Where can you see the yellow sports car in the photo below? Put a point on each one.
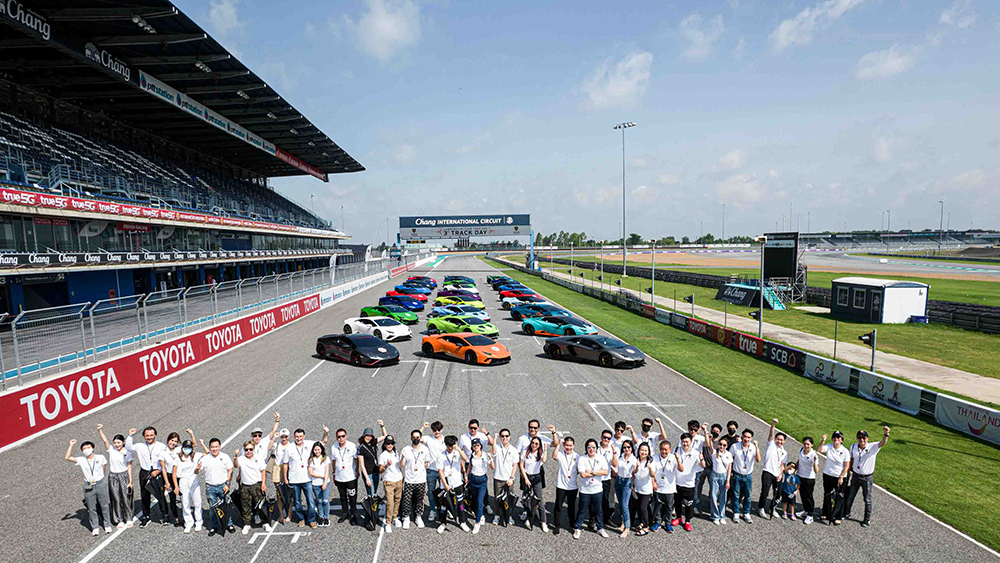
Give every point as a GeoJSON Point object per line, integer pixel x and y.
{"type": "Point", "coordinates": [459, 300]}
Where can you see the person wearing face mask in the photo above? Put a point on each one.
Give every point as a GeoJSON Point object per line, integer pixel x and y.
{"type": "Point", "coordinates": [665, 465]}
{"type": "Point", "coordinates": [773, 473]}
{"type": "Point", "coordinates": [646, 434]}
{"type": "Point", "coordinates": [218, 468]}
{"type": "Point", "coordinates": [807, 468]}
{"type": "Point", "coordinates": [296, 473]}
{"type": "Point", "coordinates": [368, 455]}
{"type": "Point", "coordinates": [414, 460]}
{"type": "Point", "coordinates": [789, 488]}
{"type": "Point", "coordinates": [590, 468]}
{"type": "Point", "coordinates": [151, 467]}
{"type": "Point", "coordinates": [623, 469]}
{"type": "Point", "coordinates": [689, 461]}
{"type": "Point", "coordinates": [505, 460]}
{"type": "Point", "coordinates": [185, 479]}
{"type": "Point", "coordinates": [344, 454]}
{"type": "Point", "coordinates": [838, 464]}
{"type": "Point", "coordinates": [608, 448]}
{"type": "Point", "coordinates": [566, 480]}
{"type": "Point", "coordinates": [435, 446]}
{"type": "Point", "coordinates": [95, 484]}
{"type": "Point", "coordinates": [119, 479]}
{"type": "Point", "coordinates": [862, 471]}
{"type": "Point", "coordinates": [392, 481]}
{"type": "Point", "coordinates": [732, 432]}
{"type": "Point", "coordinates": [719, 480]}
{"type": "Point", "coordinates": [451, 464]}
{"type": "Point", "coordinates": [745, 454]}
{"type": "Point", "coordinates": [253, 484]}
{"type": "Point", "coordinates": [477, 476]}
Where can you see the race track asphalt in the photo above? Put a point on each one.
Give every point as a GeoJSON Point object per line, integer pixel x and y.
{"type": "Point", "coordinates": [43, 519]}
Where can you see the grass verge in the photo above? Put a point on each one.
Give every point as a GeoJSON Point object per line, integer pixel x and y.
{"type": "Point", "coordinates": [914, 465]}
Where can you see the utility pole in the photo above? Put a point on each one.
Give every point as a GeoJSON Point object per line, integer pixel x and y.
{"type": "Point", "coordinates": [723, 222]}
{"type": "Point", "coordinates": [941, 226]}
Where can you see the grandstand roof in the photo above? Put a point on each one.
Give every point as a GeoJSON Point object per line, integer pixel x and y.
{"type": "Point", "coordinates": [96, 55]}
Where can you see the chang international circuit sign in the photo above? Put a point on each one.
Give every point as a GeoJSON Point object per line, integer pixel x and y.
{"type": "Point", "coordinates": [463, 226]}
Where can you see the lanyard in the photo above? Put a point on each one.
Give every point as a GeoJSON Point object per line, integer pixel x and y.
{"type": "Point", "coordinates": [92, 467]}
{"type": "Point", "coordinates": [302, 454]}
{"type": "Point", "coordinates": [341, 454]}
{"type": "Point", "coordinates": [568, 468]}
{"type": "Point", "coordinates": [746, 456]}
{"type": "Point", "coordinates": [504, 456]}
{"type": "Point", "coordinates": [664, 465]}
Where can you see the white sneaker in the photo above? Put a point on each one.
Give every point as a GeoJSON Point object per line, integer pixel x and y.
{"type": "Point", "coordinates": [465, 527]}
{"type": "Point", "coordinates": [510, 520]}
{"type": "Point", "coordinates": [808, 520]}
{"type": "Point", "coordinates": [523, 516]}
{"type": "Point", "coordinates": [246, 530]}
{"type": "Point", "coordinates": [406, 523]}
{"type": "Point", "coordinates": [482, 521]}
{"type": "Point", "coordinates": [187, 529]}
{"type": "Point", "coordinates": [268, 527]}
{"type": "Point", "coordinates": [387, 528]}
{"type": "Point", "coordinates": [602, 532]}
{"type": "Point", "coordinates": [475, 529]}
{"type": "Point", "coordinates": [120, 526]}
{"type": "Point", "coordinates": [432, 515]}
{"type": "Point", "coordinates": [496, 520]}
{"type": "Point", "coordinates": [747, 518]}
{"type": "Point", "coordinates": [723, 521]}
{"type": "Point", "coordinates": [108, 530]}
{"type": "Point", "coordinates": [197, 527]}
{"type": "Point", "coordinates": [716, 522]}
{"type": "Point", "coordinates": [420, 522]}
{"type": "Point", "coordinates": [736, 518]}
{"type": "Point", "coordinates": [576, 534]}
{"type": "Point", "coordinates": [397, 523]}
{"type": "Point", "coordinates": [762, 513]}
{"type": "Point", "coordinates": [95, 532]}
{"type": "Point", "coordinates": [528, 524]}
{"type": "Point", "coordinates": [545, 527]}
{"type": "Point", "coordinates": [440, 528]}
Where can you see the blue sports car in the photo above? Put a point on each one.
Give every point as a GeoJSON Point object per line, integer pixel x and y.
{"type": "Point", "coordinates": [408, 303]}
{"type": "Point", "coordinates": [451, 310]}
{"type": "Point", "coordinates": [530, 310]}
{"type": "Point", "coordinates": [556, 326]}
{"type": "Point", "coordinates": [407, 289]}
{"type": "Point", "coordinates": [510, 287]}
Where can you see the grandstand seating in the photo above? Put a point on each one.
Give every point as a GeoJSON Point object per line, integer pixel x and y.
{"type": "Point", "coordinates": [58, 160]}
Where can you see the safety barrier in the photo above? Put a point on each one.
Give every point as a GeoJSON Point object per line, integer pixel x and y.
{"type": "Point", "coordinates": [966, 417]}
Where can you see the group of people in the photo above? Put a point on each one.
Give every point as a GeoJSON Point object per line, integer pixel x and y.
{"type": "Point", "coordinates": [627, 481]}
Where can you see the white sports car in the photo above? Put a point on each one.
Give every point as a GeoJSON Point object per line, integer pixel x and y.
{"type": "Point", "coordinates": [511, 302]}
{"type": "Point", "coordinates": [385, 328]}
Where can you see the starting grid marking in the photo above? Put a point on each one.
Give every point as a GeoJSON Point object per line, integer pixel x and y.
{"type": "Point", "coordinates": [267, 536]}
{"type": "Point", "coordinates": [633, 404]}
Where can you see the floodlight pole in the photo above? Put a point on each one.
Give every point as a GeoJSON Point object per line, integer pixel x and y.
{"type": "Point", "coordinates": [760, 313]}
{"type": "Point", "coordinates": [602, 267]}
{"type": "Point", "coordinates": [652, 289]}
{"type": "Point", "coordinates": [623, 127]}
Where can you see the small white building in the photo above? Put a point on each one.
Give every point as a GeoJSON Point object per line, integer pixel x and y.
{"type": "Point", "coordinates": [877, 300]}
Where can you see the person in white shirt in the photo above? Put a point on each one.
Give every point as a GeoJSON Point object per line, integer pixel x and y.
{"type": "Point", "coordinates": [644, 485]}
{"type": "Point", "coordinates": [392, 481]}
{"type": "Point", "coordinates": [344, 454]}
{"type": "Point", "coordinates": [369, 474]}
{"type": "Point", "coordinates": [665, 473]}
{"type": "Point", "coordinates": [609, 448]}
{"type": "Point", "coordinates": [567, 484]}
{"type": "Point", "coordinates": [169, 456]}
{"type": "Point", "coordinates": [745, 454]}
{"type": "Point", "coordinates": [590, 468]}
{"type": "Point", "coordinates": [719, 480]}
{"type": "Point", "coordinates": [451, 466]}
{"type": "Point", "coordinates": [253, 471]}
{"type": "Point", "coordinates": [261, 446]}
{"type": "Point", "coordinates": [465, 442]}
{"type": "Point", "coordinates": [218, 469]}
{"type": "Point", "coordinates": [862, 471]}
{"type": "Point", "coordinates": [772, 473]}
{"type": "Point", "coordinates": [838, 464]}
{"type": "Point", "coordinates": [296, 472]}
{"type": "Point", "coordinates": [435, 446]}
{"type": "Point", "coordinates": [477, 472]}
{"type": "Point", "coordinates": [808, 468]}
{"type": "Point", "coordinates": [521, 445]}
{"type": "Point", "coordinates": [186, 483]}
{"type": "Point", "coordinates": [95, 484]}
{"type": "Point", "coordinates": [690, 459]}
{"type": "Point", "coordinates": [319, 480]}
{"type": "Point", "coordinates": [530, 465]}
{"type": "Point", "coordinates": [283, 492]}
{"type": "Point", "coordinates": [150, 467]}
{"type": "Point", "coordinates": [646, 435]}
{"type": "Point", "coordinates": [119, 479]}
{"type": "Point", "coordinates": [623, 468]}
{"type": "Point", "coordinates": [413, 460]}
{"type": "Point", "coordinates": [505, 461]}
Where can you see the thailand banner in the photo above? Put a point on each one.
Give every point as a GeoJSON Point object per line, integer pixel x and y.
{"type": "Point", "coordinates": [969, 418]}
{"type": "Point", "coordinates": [888, 391]}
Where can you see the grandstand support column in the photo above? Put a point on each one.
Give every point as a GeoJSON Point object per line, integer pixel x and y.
{"type": "Point", "coordinates": [238, 276]}
{"type": "Point", "coordinates": [201, 274]}
{"type": "Point", "coordinates": [531, 254]}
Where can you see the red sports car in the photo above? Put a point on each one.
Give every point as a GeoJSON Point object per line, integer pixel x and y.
{"type": "Point", "coordinates": [517, 293]}
{"type": "Point", "coordinates": [418, 296]}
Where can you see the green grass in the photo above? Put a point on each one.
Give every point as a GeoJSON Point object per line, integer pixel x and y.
{"type": "Point", "coordinates": [975, 352]}
{"type": "Point", "coordinates": [956, 491]}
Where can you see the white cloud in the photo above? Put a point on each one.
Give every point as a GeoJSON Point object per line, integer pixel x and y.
{"type": "Point", "coordinates": [646, 194]}
{"type": "Point", "coordinates": [581, 197]}
{"type": "Point", "coordinates": [223, 16]}
{"type": "Point", "coordinates": [883, 150]}
{"type": "Point", "coordinates": [741, 190]}
{"type": "Point", "coordinates": [971, 179]}
{"type": "Point", "coordinates": [606, 196]}
{"type": "Point", "coordinates": [799, 30]}
{"type": "Point", "coordinates": [454, 205]}
{"type": "Point", "coordinates": [404, 154]}
{"type": "Point", "coordinates": [734, 4]}
{"type": "Point", "coordinates": [669, 179]}
{"type": "Point", "coordinates": [622, 86]}
{"type": "Point", "coordinates": [477, 143]}
{"type": "Point", "coordinates": [733, 160]}
{"type": "Point", "coordinates": [740, 50]}
{"type": "Point", "coordinates": [772, 173]}
{"type": "Point", "coordinates": [638, 162]}
{"type": "Point", "coordinates": [387, 28]}
{"type": "Point", "coordinates": [959, 14]}
{"type": "Point", "coordinates": [700, 39]}
{"type": "Point", "coordinates": [882, 64]}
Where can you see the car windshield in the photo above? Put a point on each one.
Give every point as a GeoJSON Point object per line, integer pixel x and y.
{"type": "Point", "coordinates": [395, 309]}
{"type": "Point", "coordinates": [386, 322]}
{"type": "Point", "coordinates": [609, 342]}
{"type": "Point", "coordinates": [465, 298]}
{"type": "Point", "coordinates": [474, 321]}
{"type": "Point", "coordinates": [530, 299]}
{"type": "Point", "coordinates": [572, 321]}
{"type": "Point", "coordinates": [365, 340]}
{"type": "Point", "coordinates": [479, 341]}
{"type": "Point", "coordinates": [468, 309]}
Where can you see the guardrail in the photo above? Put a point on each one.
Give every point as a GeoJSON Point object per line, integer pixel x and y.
{"type": "Point", "coordinates": [966, 417]}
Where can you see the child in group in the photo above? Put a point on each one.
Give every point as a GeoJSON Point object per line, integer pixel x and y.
{"type": "Point", "coordinates": [789, 488]}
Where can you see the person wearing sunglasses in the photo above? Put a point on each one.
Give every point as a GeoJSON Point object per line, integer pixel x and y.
{"type": "Point", "coordinates": [253, 470]}
{"type": "Point", "coordinates": [522, 444]}
{"type": "Point", "coordinates": [530, 467]}
{"type": "Point", "coordinates": [623, 468]}
{"type": "Point", "coordinates": [344, 454]}
{"type": "Point", "coordinates": [476, 477]}
{"type": "Point", "coordinates": [591, 468]}
{"type": "Point", "coordinates": [476, 432]}
{"type": "Point", "coordinates": [505, 460]}
{"type": "Point", "coordinates": [567, 479]}
{"type": "Point", "coordinates": [609, 449]}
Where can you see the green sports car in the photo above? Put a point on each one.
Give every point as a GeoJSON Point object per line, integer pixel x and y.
{"type": "Point", "coordinates": [391, 311]}
{"type": "Point", "coordinates": [462, 323]}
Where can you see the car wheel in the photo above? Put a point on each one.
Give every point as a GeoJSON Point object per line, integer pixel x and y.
{"type": "Point", "coordinates": [347, 329]}
{"type": "Point", "coordinates": [554, 352]}
{"type": "Point", "coordinates": [364, 314]}
{"type": "Point", "coordinates": [320, 351]}
{"type": "Point", "coordinates": [529, 330]}
{"type": "Point", "coordinates": [516, 316]}
{"type": "Point", "coordinates": [569, 332]}
{"type": "Point", "coordinates": [378, 334]}
{"type": "Point", "coordinates": [605, 360]}
{"type": "Point", "coordinates": [470, 358]}
{"type": "Point", "coordinates": [427, 349]}
{"type": "Point", "coordinates": [356, 359]}
{"type": "Point", "coordinates": [506, 306]}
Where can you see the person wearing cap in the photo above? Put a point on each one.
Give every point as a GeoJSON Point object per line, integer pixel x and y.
{"type": "Point", "coordinates": [253, 486]}
{"type": "Point", "coordinates": [435, 446]}
{"type": "Point", "coordinates": [863, 470]}
{"type": "Point", "coordinates": [476, 477]}
{"type": "Point", "coordinates": [260, 446]}
{"type": "Point", "coordinates": [368, 455]}
{"type": "Point", "coordinates": [345, 464]}
{"type": "Point", "coordinates": [392, 481]}
{"type": "Point", "coordinates": [838, 463]}
{"type": "Point", "coordinates": [274, 469]}
{"type": "Point", "coordinates": [95, 484]}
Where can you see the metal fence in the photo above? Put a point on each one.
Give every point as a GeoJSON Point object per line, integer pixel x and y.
{"type": "Point", "coordinates": [41, 342]}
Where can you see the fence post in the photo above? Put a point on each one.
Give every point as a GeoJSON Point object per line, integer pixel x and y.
{"type": "Point", "coordinates": [93, 335]}
{"type": "Point", "coordinates": [138, 322]}
{"type": "Point", "coordinates": [17, 353]}
{"type": "Point", "coordinates": [182, 309]}
{"type": "Point", "coordinates": [83, 336]}
{"type": "Point", "coordinates": [3, 367]}
{"type": "Point", "coordinates": [213, 294]}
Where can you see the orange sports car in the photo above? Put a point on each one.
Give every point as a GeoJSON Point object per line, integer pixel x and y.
{"type": "Point", "coordinates": [468, 346]}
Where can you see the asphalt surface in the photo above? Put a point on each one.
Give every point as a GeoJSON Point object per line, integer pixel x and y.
{"type": "Point", "coordinates": [42, 517]}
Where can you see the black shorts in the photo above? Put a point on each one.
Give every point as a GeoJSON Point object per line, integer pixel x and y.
{"type": "Point", "coordinates": [787, 498]}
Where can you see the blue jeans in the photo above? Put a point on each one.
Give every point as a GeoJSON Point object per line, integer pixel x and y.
{"type": "Point", "coordinates": [623, 487]}
{"type": "Point", "coordinates": [741, 486]}
{"type": "Point", "coordinates": [432, 481]}
{"type": "Point", "coordinates": [322, 497]}
{"type": "Point", "coordinates": [477, 488]}
{"type": "Point", "coordinates": [216, 494]}
{"type": "Point", "coordinates": [299, 489]}
{"type": "Point", "coordinates": [717, 494]}
{"type": "Point", "coordinates": [590, 503]}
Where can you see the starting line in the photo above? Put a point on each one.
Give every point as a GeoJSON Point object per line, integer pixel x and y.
{"type": "Point", "coordinates": [267, 536]}
{"type": "Point", "coordinates": [633, 404]}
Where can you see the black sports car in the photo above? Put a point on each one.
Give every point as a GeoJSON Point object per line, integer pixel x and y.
{"type": "Point", "coordinates": [606, 351]}
{"type": "Point", "coordinates": [359, 349]}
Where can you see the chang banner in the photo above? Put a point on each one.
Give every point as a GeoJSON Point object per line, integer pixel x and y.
{"type": "Point", "coordinates": [463, 226]}
{"type": "Point", "coordinates": [888, 391]}
{"type": "Point", "coordinates": [827, 371]}
{"type": "Point", "coordinates": [969, 418]}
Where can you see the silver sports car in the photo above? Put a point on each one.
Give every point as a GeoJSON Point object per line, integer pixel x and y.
{"type": "Point", "coordinates": [606, 351]}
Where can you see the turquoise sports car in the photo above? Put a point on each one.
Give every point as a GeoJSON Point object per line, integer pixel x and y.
{"type": "Point", "coordinates": [556, 326]}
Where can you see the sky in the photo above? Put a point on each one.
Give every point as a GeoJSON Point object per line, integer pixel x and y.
{"type": "Point", "coordinates": [818, 114]}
